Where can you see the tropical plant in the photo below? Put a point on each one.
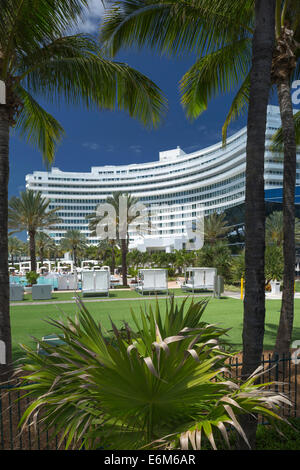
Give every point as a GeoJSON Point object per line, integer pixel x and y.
{"type": "Point", "coordinates": [273, 265]}
{"type": "Point", "coordinates": [39, 57]}
{"type": "Point", "coordinates": [44, 244]}
{"type": "Point", "coordinates": [121, 234]}
{"type": "Point", "coordinates": [31, 212]}
{"type": "Point", "coordinates": [14, 247]}
{"type": "Point", "coordinates": [217, 256]}
{"type": "Point", "coordinates": [75, 242]}
{"type": "Point", "coordinates": [32, 277]}
{"type": "Point", "coordinates": [161, 384]}
{"type": "Point", "coordinates": [215, 227]}
{"type": "Point", "coordinates": [275, 231]}
{"type": "Point", "coordinates": [220, 33]}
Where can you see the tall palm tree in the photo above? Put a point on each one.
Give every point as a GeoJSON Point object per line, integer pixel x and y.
{"type": "Point", "coordinates": [234, 45]}
{"type": "Point", "coordinates": [95, 219]}
{"type": "Point", "coordinates": [14, 247]}
{"type": "Point", "coordinates": [275, 229]}
{"type": "Point", "coordinates": [215, 227]}
{"type": "Point", "coordinates": [75, 242]}
{"type": "Point", "coordinates": [223, 64]}
{"type": "Point", "coordinates": [38, 57]}
{"type": "Point", "coordinates": [31, 212]}
{"type": "Point", "coordinates": [286, 53]}
{"type": "Point", "coordinates": [44, 244]}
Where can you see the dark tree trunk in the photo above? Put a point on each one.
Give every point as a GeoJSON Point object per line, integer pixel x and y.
{"type": "Point", "coordinates": [5, 330]}
{"type": "Point", "coordinates": [32, 250]}
{"type": "Point", "coordinates": [254, 302]}
{"type": "Point", "coordinates": [42, 256]}
{"type": "Point", "coordinates": [284, 333]}
{"type": "Point", "coordinates": [113, 259]}
{"type": "Point", "coordinates": [124, 261]}
{"type": "Point", "coordinates": [75, 256]}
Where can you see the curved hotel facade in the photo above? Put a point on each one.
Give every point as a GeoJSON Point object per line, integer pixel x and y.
{"type": "Point", "coordinates": [178, 183]}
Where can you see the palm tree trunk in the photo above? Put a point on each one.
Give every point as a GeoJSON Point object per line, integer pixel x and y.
{"type": "Point", "coordinates": [124, 261]}
{"type": "Point", "coordinates": [75, 256]}
{"type": "Point", "coordinates": [284, 332]}
{"type": "Point", "coordinates": [32, 250]}
{"type": "Point", "coordinates": [254, 302]}
{"type": "Point", "coordinates": [113, 259]}
{"type": "Point", "coordinates": [5, 329]}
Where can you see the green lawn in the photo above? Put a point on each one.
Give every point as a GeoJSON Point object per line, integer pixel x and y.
{"type": "Point", "coordinates": [30, 320]}
{"type": "Point", "coordinates": [113, 294]}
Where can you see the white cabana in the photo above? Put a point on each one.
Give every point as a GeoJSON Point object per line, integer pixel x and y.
{"type": "Point", "coordinates": [90, 264]}
{"type": "Point", "coordinates": [46, 266]}
{"type": "Point", "coordinates": [152, 280]}
{"type": "Point", "coordinates": [25, 267]}
{"type": "Point", "coordinates": [65, 266]}
{"type": "Point", "coordinates": [200, 278]}
{"type": "Point", "coordinates": [95, 282]}
{"type": "Point", "coordinates": [67, 282]}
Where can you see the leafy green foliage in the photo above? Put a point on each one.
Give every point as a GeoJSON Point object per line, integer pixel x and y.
{"type": "Point", "coordinates": [133, 388]}
{"type": "Point", "coordinates": [32, 277]}
{"type": "Point", "coordinates": [40, 57]}
{"type": "Point", "coordinates": [30, 212]}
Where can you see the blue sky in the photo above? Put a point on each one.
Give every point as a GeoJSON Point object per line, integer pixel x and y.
{"type": "Point", "coordinates": [103, 138]}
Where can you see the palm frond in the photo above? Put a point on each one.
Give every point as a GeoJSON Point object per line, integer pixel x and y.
{"type": "Point", "coordinates": [88, 78]}
{"type": "Point", "coordinates": [39, 128]}
{"type": "Point", "coordinates": [217, 73]}
{"type": "Point", "coordinates": [27, 23]}
{"type": "Point", "coordinates": [238, 106]}
{"type": "Point", "coordinates": [278, 139]}
{"type": "Point", "coordinates": [174, 26]}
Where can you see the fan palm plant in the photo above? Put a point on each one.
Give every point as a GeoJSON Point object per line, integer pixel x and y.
{"type": "Point", "coordinates": [39, 58]}
{"type": "Point", "coordinates": [122, 235]}
{"type": "Point", "coordinates": [161, 380]}
{"type": "Point", "coordinates": [75, 242]}
{"type": "Point", "coordinates": [31, 212]}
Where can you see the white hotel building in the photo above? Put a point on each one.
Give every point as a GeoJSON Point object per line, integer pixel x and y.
{"type": "Point", "coordinates": [213, 177]}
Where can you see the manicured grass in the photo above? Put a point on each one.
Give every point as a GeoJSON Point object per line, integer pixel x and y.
{"type": "Point", "coordinates": [113, 294]}
{"type": "Point", "coordinates": [30, 320]}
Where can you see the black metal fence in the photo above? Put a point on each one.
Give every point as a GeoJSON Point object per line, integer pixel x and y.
{"type": "Point", "coordinates": [13, 404]}
{"type": "Point", "coordinates": [283, 373]}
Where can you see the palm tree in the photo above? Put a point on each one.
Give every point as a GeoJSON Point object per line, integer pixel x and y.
{"type": "Point", "coordinates": [39, 58]}
{"type": "Point", "coordinates": [286, 53]}
{"type": "Point", "coordinates": [75, 242]}
{"type": "Point", "coordinates": [122, 235]}
{"type": "Point", "coordinates": [215, 227]}
{"type": "Point", "coordinates": [221, 33]}
{"type": "Point", "coordinates": [31, 212]}
{"type": "Point", "coordinates": [223, 64]}
{"type": "Point", "coordinates": [44, 244]}
{"type": "Point", "coordinates": [14, 247]}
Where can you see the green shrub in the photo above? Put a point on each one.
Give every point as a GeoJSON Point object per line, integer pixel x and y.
{"type": "Point", "coordinates": [32, 277]}
{"type": "Point", "coordinates": [164, 380]}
